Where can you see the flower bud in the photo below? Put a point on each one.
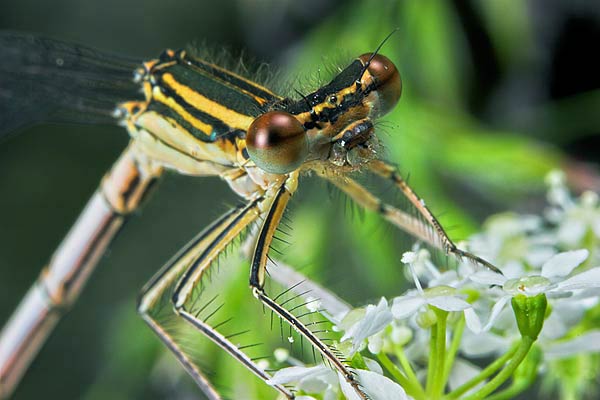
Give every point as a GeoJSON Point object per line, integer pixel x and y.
{"type": "Point", "coordinates": [530, 313]}
{"type": "Point", "coordinates": [427, 319]}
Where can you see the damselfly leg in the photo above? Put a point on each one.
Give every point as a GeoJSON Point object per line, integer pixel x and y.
{"type": "Point", "coordinates": [426, 228]}
{"type": "Point", "coordinates": [191, 264]}
{"type": "Point", "coordinates": [392, 173]}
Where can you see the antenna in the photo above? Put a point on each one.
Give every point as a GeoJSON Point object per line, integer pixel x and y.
{"type": "Point", "coordinates": [366, 66]}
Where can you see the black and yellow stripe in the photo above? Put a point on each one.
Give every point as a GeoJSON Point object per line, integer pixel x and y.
{"type": "Point", "coordinates": [207, 101]}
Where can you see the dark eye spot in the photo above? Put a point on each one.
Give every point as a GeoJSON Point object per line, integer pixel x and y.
{"type": "Point", "coordinates": [277, 142]}
{"type": "Point", "coordinates": [333, 99]}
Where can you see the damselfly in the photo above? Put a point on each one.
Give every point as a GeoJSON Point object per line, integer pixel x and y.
{"type": "Point", "coordinates": [199, 119]}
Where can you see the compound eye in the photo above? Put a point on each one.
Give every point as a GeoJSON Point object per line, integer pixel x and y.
{"type": "Point", "coordinates": [277, 142]}
{"type": "Point", "coordinates": [386, 79]}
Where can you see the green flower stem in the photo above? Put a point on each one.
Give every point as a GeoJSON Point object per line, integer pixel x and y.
{"type": "Point", "coordinates": [484, 374]}
{"type": "Point", "coordinates": [405, 363]}
{"type": "Point", "coordinates": [520, 354]}
{"type": "Point", "coordinates": [432, 359]}
{"type": "Point", "coordinates": [413, 387]}
{"type": "Point", "coordinates": [454, 345]}
{"type": "Point", "coordinates": [511, 391]}
{"type": "Point", "coordinates": [523, 377]}
{"type": "Point", "coordinates": [438, 384]}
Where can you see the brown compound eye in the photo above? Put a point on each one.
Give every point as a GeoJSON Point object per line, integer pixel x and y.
{"type": "Point", "coordinates": [386, 78]}
{"type": "Point", "coordinates": [277, 142]}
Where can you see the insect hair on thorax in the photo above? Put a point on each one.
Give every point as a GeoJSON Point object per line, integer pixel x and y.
{"type": "Point", "coordinates": [238, 61]}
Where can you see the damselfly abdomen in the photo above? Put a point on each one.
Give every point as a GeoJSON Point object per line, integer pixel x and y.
{"type": "Point", "coordinates": [188, 115]}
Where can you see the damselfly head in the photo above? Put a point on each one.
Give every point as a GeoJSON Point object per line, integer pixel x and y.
{"type": "Point", "coordinates": [378, 90]}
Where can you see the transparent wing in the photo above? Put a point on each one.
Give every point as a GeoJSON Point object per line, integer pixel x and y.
{"type": "Point", "coordinates": [48, 80]}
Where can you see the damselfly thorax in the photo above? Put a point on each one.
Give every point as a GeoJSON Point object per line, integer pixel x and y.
{"type": "Point", "coordinates": [199, 119]}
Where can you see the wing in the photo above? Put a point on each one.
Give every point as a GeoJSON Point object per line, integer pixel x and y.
{"type": "Point", "coordinates": [48, 80]}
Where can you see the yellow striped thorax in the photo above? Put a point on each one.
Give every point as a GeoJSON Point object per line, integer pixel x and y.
{"type": "Point", "coordinates": [196, 113]}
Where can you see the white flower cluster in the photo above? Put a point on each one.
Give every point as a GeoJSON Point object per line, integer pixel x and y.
{"type": "Point", "coordinates": [432, 339]}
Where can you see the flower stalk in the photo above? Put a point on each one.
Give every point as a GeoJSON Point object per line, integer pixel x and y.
{"type": "Point", "coordinates": [507, 371]}
{"type": "Point", "coordinates": [435, 381]}
{"type": "Point", "coordinates": [483, 375]}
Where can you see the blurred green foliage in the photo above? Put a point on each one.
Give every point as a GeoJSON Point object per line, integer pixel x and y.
{"type": "Point", "coordinates": [463, 167]}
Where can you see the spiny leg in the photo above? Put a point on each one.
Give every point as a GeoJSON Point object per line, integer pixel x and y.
{"type": "Point", "coordinates": [429, 231]}
{"type": "Point", "coordinates": [193, 274]}
{"type": "Point", "coordinates": [391, 172]}
{"type": "Point", "coordinates": [193, 261]}
{"type": "Point", "coordinates": [161, 281]}
{"type": "Point", "coordinates": [258, 275]}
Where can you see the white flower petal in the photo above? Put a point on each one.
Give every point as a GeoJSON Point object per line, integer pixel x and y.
{"type": "Point", "coordinates": [376, 318]}
{"type": "Point", "coordinates": [331, 394]}
{"type": "Point", "coordinates": [406, 306]}
{"type": "Point", "coordinates": [513, 269]}
{"type": "Point", "coordinates": [347, 389]}
{"type": "Point", "coordinates": [498, 307]}
{"type": "Point", "coordinates": [430, 267]}
{"type": "Point", "coordinates": [305, 398]}
{"type": "Point", "coordinates": [447, 278]}
{"type": "Point", "coordinates": [563, 263]}
{"type": "Point", "coordinates": [401, 334]}
{"type": "Point", "coordinates": [375, 343]}
{"type": "Point", "coordinates": [296, 374]}
{"type": "Point", "coordinates": [588, 297]}
{"type": "Point", "coordinates": [351, 318]}
{"type": "Point", "coordinates": [376, 386]}
{"type": "Point", "coordinates": [505, 322]}
{"type": "Point", "coordinates": [587, 343]}
{"type": "Point", "coordinates": [448, 303]}
{"type": "Point", "coordinates": [373, 365]}
{"type": "Point", "coordinates": [488, 278]}
{"type": "Point", "coordinates": [317, 383]}
{"type": "Point", "coordinates": [586, 279]}
{"type": "Point", "coordinates": [554, 327]}
{"type": "Point", "coordinates": [565, 315]}
{"type": "Point", "coordinates": [538, 255]}
{"type": "Point", "coordinates": [473, 321]}
{"type": "Point", "coordinates": [409, 257]}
